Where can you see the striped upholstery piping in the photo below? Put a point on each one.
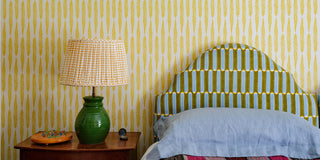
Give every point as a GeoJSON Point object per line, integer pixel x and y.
{"type": "Point", "coordinates": [238, 76]}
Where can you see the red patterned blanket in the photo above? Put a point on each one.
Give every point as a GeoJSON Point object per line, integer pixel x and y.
{"type": "Point", "coordinates": [187, 157]}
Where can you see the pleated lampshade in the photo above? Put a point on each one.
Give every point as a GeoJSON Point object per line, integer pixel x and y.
{"type": "Point", "coordinates": [95, 63]}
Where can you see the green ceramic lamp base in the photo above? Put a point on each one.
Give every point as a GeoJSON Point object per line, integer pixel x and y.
{"type": "Point", "coordinates": [92, 123]}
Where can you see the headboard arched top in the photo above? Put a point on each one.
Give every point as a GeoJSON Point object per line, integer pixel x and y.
{"type": "Point", "coordinates": [239, 76]}
{"type": "Point", "coordinates": [239, 67]}
{"type": "Point", "coordinates": [234, 57]}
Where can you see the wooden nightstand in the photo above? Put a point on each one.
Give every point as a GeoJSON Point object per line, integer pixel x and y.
{"type": "Point", "coordinates": [113, 148]}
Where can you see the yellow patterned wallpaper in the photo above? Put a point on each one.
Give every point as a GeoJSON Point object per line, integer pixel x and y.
{"type": "Point", "coordinates": [162, 37]}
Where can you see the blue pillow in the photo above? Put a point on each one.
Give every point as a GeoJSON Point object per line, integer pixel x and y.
{"type": "Point", "coordinates": [233, 132]}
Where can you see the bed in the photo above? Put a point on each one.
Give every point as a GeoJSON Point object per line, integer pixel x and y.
{"type": "Point", "coordinates": [233, 101]}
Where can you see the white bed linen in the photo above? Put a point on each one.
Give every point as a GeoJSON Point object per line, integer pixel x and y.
{"type": "Point", "coordinates": [237, 132]}
{"type": "Point", "coordinates": [152, 153]}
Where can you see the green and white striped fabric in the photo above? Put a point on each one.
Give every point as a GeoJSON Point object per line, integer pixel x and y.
{"type": "Point", "coordinates": [239, 76]}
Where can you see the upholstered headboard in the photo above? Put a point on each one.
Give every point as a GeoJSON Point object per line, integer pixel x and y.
{"type": "Point", "coordinates": [239, 76]}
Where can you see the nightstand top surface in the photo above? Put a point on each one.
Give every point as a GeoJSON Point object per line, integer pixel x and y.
{"type": "Point", "coordinates": [112, 142]}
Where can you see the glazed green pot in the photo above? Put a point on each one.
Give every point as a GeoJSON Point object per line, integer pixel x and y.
{"type": "Point", "coordinates": [92, 123]}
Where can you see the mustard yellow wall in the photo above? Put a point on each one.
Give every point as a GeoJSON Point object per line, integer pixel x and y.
{"type": "Point", "coordinates": [1, 69]}
{"type": "Point", "coordinates": [162, 37]}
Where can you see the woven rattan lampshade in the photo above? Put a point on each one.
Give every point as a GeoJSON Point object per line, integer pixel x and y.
{"type": "Point", "coordinates": [95, 63]}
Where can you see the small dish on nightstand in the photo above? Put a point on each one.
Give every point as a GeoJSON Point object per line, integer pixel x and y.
{"type": "Point", "coordinates": [51, 137]}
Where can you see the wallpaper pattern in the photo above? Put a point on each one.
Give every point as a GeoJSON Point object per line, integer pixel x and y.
{"type": "Point", "coordinates": [162, 37]}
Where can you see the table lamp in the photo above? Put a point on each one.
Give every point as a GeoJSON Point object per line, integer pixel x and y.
{"type": "Point", "coordinates": [94, 63]}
